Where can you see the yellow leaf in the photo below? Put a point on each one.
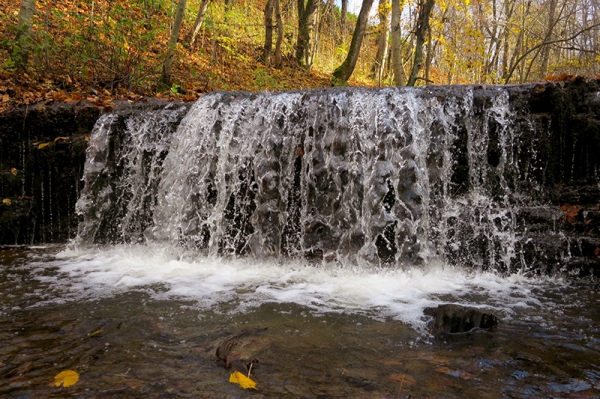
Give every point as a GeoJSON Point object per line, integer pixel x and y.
{"type": "Point", "coordinates": [60, 138]}
{"type": "Point", "coordinates": [14, 171]}
{"type": "Point", "coordinates": [242, 380]}
{"type": "Point", "coordinates": [7, 201]}
{"type": "Point", "coordinates": [44, 145]}
{"type": "Point", "coordinates": [66, 378]}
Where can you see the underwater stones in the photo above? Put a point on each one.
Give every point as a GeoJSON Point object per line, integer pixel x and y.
{"type": "Point", "coordinates": [452, 319]}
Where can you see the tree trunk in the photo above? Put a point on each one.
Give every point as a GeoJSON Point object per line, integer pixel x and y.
{"type": "Point", "coordinates": [279, 40]}
{"type": "Point", "coordinates": [307, 20]}
{"type": "Point", "coordinates": [191, 38]}
{"type": "Point", "coordinates": [268, 32]}
{"type": "Point", "coordinates": [425, 8]}
{"type": "Point", "coordinates": [21, 48]}
{"type": "Point", "coordinates": [399, 79]}
{"type": "Point", "coordinates": [428, 58]}
{"type": "Point", "coordinates": [343, 18]}
{"type": "Point", "coordinates": [172, 47]}
{"type": "Point", "coordinates": [546, 49]}
{"type": "Point", "coordinates": [518, 50]}
{"type": "Point", "coordinates": [378, 69]}
{"type": "Point", "coordinates": [344, 71]}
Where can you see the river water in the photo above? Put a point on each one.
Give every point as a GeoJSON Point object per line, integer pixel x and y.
{"type": "Point", "coordinates": [140, 322]}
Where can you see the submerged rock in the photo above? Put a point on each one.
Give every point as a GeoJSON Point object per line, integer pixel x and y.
{"type": "Point", "coordinates": [452, 319]}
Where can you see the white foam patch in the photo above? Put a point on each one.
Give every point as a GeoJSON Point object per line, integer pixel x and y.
{"type": "Point", "coordinates": [378, 292]}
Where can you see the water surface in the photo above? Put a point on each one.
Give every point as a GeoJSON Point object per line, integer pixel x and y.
{"type": "Point", "coordinates": [135, 322]}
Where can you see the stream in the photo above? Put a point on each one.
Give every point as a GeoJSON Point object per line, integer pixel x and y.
{"type": "Point", "coordinates": [152, 332]}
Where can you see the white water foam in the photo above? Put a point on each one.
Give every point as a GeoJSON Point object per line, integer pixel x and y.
{"type": "Point", "coordinates": [243, 284]}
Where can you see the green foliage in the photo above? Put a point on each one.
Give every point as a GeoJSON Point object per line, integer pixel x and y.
{"type": "Point", "coordinates": [263, 80]}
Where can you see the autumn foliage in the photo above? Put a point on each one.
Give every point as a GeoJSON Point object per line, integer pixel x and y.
{"type": "Point", "coordinates": [105, 50]}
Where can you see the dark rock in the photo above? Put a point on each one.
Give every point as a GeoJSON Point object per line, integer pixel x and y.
{"type": "Point", "coordinates": [41, 166]}
{"type": "Point", "coordinates": [541, 179]}
{"type": "Point", "coordinates": [451, 319]}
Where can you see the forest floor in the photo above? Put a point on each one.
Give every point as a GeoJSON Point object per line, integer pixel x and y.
{"type": "Point", "coordinates": [22, 89]}
{"type": "Point", "coordinates": [67, 64]}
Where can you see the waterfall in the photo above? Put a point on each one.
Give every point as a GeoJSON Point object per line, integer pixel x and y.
{"type": "Point", "coordinates": [394, 176]}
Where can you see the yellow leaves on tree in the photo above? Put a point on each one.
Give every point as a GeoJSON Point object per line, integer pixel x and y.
{"type": "Point", "coordinates": [242, 380]}
{"type": "Point", "coordinates": [66, 378]}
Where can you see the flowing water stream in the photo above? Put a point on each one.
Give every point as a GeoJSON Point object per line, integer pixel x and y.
{"type": "Point", "coordinates": [139, 324]}
{"type": "Point", "coordinates": [316, 227]}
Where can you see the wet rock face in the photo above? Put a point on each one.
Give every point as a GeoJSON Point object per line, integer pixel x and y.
{"type": "Point", "coordinates": [43, 153]}
{"type": "Point", "coordinates": [452, 319]}
{"type": "Point", "coordinates": [122, 171]}
{"type": "Point", "coordinates": [501, 178]}
{"type": "Point", "coordinates": [41, 166]}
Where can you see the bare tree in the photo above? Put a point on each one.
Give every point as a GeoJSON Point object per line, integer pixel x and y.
{"type": "Point", "coordinates": [378, 67]}
{"type": "Point", "coordinates": [172, 46]}
{"type": "Point", "coordinates": [191, 38]}
{"type": "Point", "coordinates": [344, 71]}
{"type": "Point", "coordinates": [307, 20]}
{"type": "Point", "coordinates": [550, 28]}
{"type": "Point", "coordinates": [21, 48]}
{"type": "Point", "coordinates": [425, 7]}
{"type": "Point", "coordinates": [268, 32]}
{"type": "Point", "coordinates": [279, 34]}
{"type": "Point", "coordinates": [344, 11]}
{"type": "Point", "coordinates": [399, 79]}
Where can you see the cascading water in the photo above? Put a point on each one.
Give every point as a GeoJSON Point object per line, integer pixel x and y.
{"type": "Point", "coordinates": [388, 177]}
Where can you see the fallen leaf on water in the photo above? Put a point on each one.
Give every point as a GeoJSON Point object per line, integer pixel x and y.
{"type": "Point", "coordinates": [7, 201]}
{"type": "Point", "coordinates": [597, 251]}
{"type": "Point", "coordinates": [60, 138]}
{"type": "Point", "coordinates": [242, 380]}
{"type": "Point", "coordinates": [14, 171]}
{"type": "Point", "coordinates": [42, 145]}
{"type": "Point", "coordinates": [571, 212]}
{"type": "Point", "coordinates": [66, 378]}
